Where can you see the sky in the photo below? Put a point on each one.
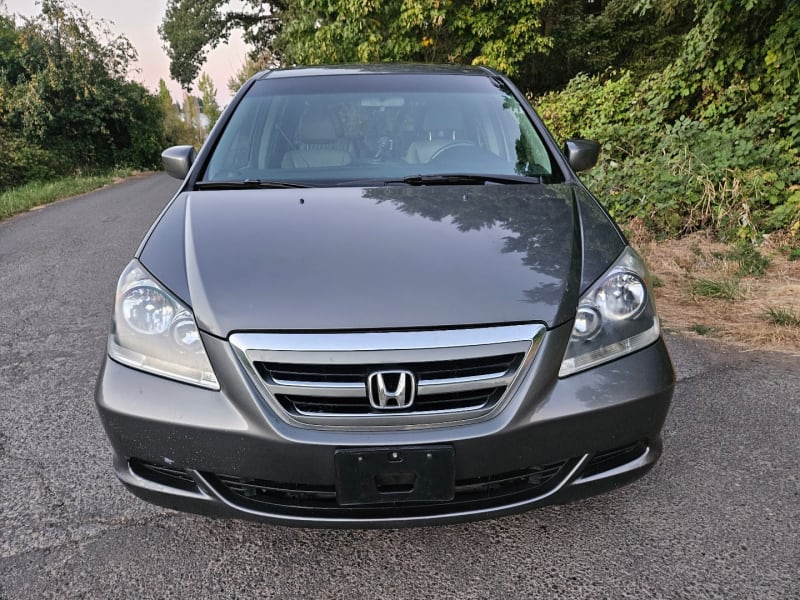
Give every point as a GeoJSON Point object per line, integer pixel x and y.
{"type": "Point", "coordinates": [138, 21]}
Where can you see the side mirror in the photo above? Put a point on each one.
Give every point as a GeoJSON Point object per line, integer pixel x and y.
{"type": "Point", "coordinates": [581, 154]}
{"type": "Point", "coordinates": [178, 160]}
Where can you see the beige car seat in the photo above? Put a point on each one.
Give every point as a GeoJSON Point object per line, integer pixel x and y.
{"type": "Point", "coordinates": [317, 145]}
{"type": "Point", "coordinates": [442, 126]}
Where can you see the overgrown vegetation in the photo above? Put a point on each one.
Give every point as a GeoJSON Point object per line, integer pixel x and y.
{"type": "Point", "coordinates": [69, 115]}
{"type": "Point", "coordinates": [711, 140]}
{"type": "Point", "coordinates": [65, 102]}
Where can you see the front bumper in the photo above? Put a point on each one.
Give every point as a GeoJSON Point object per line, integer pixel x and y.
{"type": "Point", "coordinates": [221, 454]}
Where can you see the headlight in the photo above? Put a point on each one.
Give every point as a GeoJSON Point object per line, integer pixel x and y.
{"type": "Point", "coordinates": [155, 332]}
{"type": "Point", "coordinates": [616, 316]}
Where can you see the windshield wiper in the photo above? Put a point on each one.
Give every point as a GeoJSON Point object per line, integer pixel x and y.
{"type": "Point", "coordinates": [465, 179]}
{"type": "Point", "coordinates": [247, 184]}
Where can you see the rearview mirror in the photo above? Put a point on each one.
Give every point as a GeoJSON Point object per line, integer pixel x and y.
{"type": "Point", "coordinates": [178, 160]}
{"type": "Point", "coordinates": [581, 154]}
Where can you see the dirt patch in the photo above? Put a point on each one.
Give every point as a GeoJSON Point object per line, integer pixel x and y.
{"type": "Point", "coordinates": [703, 289]}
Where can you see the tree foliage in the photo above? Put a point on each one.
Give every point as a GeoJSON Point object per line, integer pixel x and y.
{"type": "Point", "coordinates": [501, 33]}
{"type": "Point", "coordinates": [712, 140]}
{"type": "Point", "coordinates": [65, 102]}
{"type": "Point", "coordinates": [177, 131]}
{"type": "Point", "coordinates": [541, 43]}
{"type": "Point", "coordinates": [251, 65]}
{"type": "Point", "coordinates": [618, 36]}
{"type": "Point", "coordinates": [208, 97]}
{"type": "Point", "coordinates": [190, 28]}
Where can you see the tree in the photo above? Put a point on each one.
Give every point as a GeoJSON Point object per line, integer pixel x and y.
{"type": "Point", "coordinates": [176, 131]}
{"type": "Point", "coordinates": [191, 117]}
{"type": "Point", "coordinates": [208, 95]}
{"type": "Point", "coordinates": [65, 102]}
{"type": "Point", "coordinates": [541, 43]}
{"type": "Point", "coordinates": [500, 33]}
{"type": "Point", "coordinates": [614, 34]}
{"type": "Point", "coordinates": [251, 66]}
{"type": "Point", "coordinates": [191, 27]}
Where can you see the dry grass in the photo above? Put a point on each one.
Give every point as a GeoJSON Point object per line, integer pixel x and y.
{"type": "Point", "coordinates": [747, 320]}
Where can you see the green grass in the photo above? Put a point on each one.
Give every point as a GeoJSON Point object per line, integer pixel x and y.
{"type": "Point", "coordinates": [751, 261]}
{"type": "Point", "coordinates": [785, 317]}
{"type": "Point", "coordinates": [794, 254]}
{"type": "Point", "coordinates": [701, 329]}
{"type": "Point", "coordinates": [724, 289]}
{"type": "Point", "coordinates": [20, 199]}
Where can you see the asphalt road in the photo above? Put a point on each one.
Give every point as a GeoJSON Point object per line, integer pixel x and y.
{"type": "Point", "coordinates": [718, 517]}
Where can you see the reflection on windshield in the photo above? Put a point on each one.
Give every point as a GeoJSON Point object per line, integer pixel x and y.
{"type": "Point", "coordinates": [327, 135]}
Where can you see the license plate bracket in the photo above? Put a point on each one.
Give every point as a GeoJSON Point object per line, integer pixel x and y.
{"type": "Point", "coordinates": [395, 474]}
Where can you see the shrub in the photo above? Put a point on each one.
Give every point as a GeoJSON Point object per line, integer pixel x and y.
{"type": "Point", "coordinates": [710, 142]}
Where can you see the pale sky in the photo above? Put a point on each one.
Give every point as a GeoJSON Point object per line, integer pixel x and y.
{"type": "Point", "coordinates": [138, 21]}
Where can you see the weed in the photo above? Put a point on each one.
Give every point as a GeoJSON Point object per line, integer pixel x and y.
{"type": "Point", "coordinates": [794, 254]}
{"type": "Point", "coordinates": [750, 260]}
{"type": "Point", "coordinates": [784, 317]}
{"type": "Point", "coordinates": [701, 329]}
{"type": "Point", "coordinates": [656, 281]}
{"type": "Point", "coordinates": [724, 289]}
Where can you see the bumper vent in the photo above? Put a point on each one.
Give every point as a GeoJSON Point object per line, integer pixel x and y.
{"type": "Point", "coordinates": [611, 459]}
{"type": "Point", "coordinates": [320, 501]}
{"type": "Point", "coordinates": [163, 474]}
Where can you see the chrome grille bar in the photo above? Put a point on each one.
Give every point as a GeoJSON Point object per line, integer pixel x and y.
{"type": "Point", "coordinates": [458, 384]}
{"type": "Point", "coordinates": [334, 389]}
{"type": "Point", "coordinates": [318, 388]}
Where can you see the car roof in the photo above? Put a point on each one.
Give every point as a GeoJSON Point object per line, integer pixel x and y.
{"type": "Point", "coordinates": [379, 68]}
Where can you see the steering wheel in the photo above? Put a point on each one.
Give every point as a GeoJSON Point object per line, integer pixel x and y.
{"type": "Point", "coordinates": [451, 146]}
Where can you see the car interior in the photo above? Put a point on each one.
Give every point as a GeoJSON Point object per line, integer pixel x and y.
{"type": "Point", "coordinates": [350, 136]}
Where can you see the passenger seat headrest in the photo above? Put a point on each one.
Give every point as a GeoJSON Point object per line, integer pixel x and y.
{"type": "Point", "coordinates": [316, 127]}
{"type": "Point", "coordinates": [440, 118]}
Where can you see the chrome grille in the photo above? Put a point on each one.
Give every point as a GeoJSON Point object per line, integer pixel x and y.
{"type": "Point", "coordinates": [320, 380]}
{"type": "Point", "coordinates": [341, 390]}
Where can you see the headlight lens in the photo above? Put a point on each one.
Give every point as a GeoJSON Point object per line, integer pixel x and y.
{"type": "Point", "coordinates": [155, 332]}
{"type": "Point", "coordinates": [616, 316]}
{"type": "Point", "coordinates": [622, 296]}
{"type": "Point", "coordinates": [147, 310]}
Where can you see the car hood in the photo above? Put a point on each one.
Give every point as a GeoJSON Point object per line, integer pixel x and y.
{"type": "Point", "coordinates": [370, 258]}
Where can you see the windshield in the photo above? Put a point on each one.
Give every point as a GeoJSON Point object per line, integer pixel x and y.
{"type": "Point", "coordinates": [378, 128]}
